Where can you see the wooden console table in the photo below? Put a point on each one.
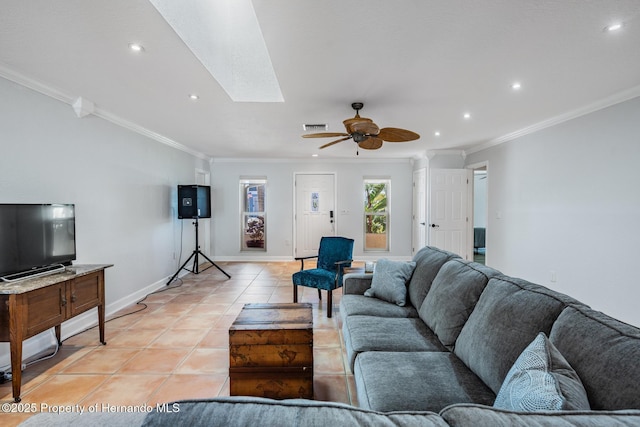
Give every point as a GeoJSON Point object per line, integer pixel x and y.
{"type": "Point", "coordinates": [32, 306]}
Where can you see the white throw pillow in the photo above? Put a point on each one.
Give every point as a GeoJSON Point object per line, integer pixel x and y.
{"type": "Point", "coordinates": [541, 380]}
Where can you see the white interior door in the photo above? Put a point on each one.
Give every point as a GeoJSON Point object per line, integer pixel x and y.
{"type": "Point", "coordinates": [419, 218]}
{"type": "Point", "coordinates": [314, 211]}
{"type": "Point", "coordinates": [448, 213]}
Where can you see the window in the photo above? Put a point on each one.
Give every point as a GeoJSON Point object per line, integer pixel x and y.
{"type": "Point", "coordinates": [376, 214]}
{"type": "Point", "coordinates": [253, 221]}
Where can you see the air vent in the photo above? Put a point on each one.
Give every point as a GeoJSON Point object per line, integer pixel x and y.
{"type": "Point", "coordinates": [315, 127]}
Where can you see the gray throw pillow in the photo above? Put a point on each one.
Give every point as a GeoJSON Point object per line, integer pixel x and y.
{"type": "Point", "coordinates": [389, 281]}
{"type": "Point", "coordinates": [541, 380]}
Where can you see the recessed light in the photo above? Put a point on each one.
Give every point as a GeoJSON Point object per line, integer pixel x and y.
{"type": "Point", "coordinates": [437, 133]}
{"type": "Point", "coordinates": [516, 86]}
{"type": "Point", "coordinates": [136, 47]}
{"type": "Point", "coordinates": [466, 116]}
{"type": "Point", "coordinates": [613, 27]}
{"type": "Point", "coordinates": [314, 155]}
{"type": "Point", "coordinates": [194, 97]}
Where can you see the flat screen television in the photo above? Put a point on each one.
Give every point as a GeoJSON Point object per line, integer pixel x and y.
{"type": "Point", "coordinates": [36, 236]}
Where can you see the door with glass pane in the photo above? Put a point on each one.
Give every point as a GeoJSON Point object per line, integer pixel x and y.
{"type": "Point", "coordinates": [315, 211]}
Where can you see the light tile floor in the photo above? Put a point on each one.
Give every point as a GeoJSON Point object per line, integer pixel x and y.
{"type": "Point", "coordinates": [177, 347]}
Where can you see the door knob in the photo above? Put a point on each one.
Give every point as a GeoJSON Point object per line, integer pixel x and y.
{"type": "Point", "coordinates": [434, 225]}
{"type": "Point", "coordinates": [423, 223]}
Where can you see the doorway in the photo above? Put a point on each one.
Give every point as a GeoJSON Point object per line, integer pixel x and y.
{"type": "Point", "coordinates": [419, 214]}
{"type": "Point", "coordinates": [204, 230]}
{"type": "Point", "coordinates": [480, 209]}
{"type": "Point", "coordinates": [314, 215]}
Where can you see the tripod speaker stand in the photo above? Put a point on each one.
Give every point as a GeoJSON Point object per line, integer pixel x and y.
{"type": "Point", "coordinates": [195, 254]}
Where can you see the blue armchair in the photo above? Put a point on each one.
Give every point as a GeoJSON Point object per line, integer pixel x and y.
{"type": "Point", "coordinates": [334, 254]}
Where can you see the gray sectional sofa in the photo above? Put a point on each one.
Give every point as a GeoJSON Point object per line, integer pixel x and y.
{"type": "Point", "coordinates": [464, 327]}
{"type": "Point", "coordinates": [466, 337]}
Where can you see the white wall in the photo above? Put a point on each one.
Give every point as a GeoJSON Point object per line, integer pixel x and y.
{"type": "Point", "coordinates": [279, 174]}
{"type": "Point", "coordinates": [122, 183]}
{"type": "Point", "coordinates": [569, 201]}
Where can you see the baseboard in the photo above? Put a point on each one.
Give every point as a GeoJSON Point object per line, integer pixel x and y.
{"type": "Point", "coordinates": [252, 258]}
{"type": "Point", "coordinates": [90, 318]}
{"type": "Point", "coordinates": [289, 259]}
{"type": "Point", "coordinates": [45, 342]}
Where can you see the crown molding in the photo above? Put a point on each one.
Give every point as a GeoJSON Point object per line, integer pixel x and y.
{"type": "Point", "coordinates": [446, 152]}
{"type": "Point", "coordinates": [614, 99]}
{"type": "Point", "coordinates": [35, 85]}
{"type": "Point", "coordinates": [306, 160]}
{"type": "Point", "coordinates": [61, 96]}
{"type": "Point", "coordinates": [148, 133]}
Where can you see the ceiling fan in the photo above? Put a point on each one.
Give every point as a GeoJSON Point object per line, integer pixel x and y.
{"type": "Point", "coordinates": [365, 133]}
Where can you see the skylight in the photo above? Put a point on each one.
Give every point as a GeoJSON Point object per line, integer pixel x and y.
{"type": "Point", "coordinates": [225, 36]}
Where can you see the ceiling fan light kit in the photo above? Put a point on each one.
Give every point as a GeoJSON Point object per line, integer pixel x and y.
{"type": "Point", "coordinates": [365, 132]}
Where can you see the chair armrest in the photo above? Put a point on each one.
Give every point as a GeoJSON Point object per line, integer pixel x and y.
{"type": "Point", "coordinates": [302, 258]}
{"type": "Point", "coordinates": [356, 283]}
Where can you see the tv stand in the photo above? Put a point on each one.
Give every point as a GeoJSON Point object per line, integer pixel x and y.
{"type": "Point", "coordinates": [32, 306]}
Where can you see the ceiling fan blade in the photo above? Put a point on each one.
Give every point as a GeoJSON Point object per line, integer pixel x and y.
{"type": "Point", "coordinates": [397, 135]}
{"type": "Point", "coordinates": [335, 142]}
{"type": "Point", "coordinates": [325, 135]}
{"type": "Point", "coordinates": [371, 143]}
{"type": "Point", "coordinates": [348, 124]}
{"type": "Point", "coordinates": [367, 128]}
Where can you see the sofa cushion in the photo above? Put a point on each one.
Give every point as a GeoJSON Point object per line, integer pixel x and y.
{"type": "Point", "coordinates": [420, 381]}
{"type": "Point", "coordinates": [368, 333]}
{"type": "Point", "coordinates": [541, 380]}
{"type": "Point", "coordinates": [389, 282]}
{"type": "Point", "coordinates": [254, 411]}
{"type": "Point", "coordinates": [428, 262]}
{"type": "Point", "coordinates": [604, 353]}
{"type": "Point", "coordinates": [351, 305]}
{"type": "Point", "coordinates": [452, 297]}
{"type": "Point", "coordinates": [508, 316]}
{"type": "Point", "coordinates": [466, 414]}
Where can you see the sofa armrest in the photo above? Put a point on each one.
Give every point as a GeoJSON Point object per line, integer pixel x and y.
{"type": "Point", "coordinates": [467, 414]}
{"type": "Point", "coordinates": [356, 283]}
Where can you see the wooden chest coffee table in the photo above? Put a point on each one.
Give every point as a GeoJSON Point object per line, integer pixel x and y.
{"type": "Point", "coordinates": [271, 351]}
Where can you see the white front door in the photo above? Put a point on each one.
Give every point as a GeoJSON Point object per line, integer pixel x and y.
{"type": "Point", "coordinates": [448, 215]}
{"type": "Point", "coordinates": [314, 211]}
{"type": "Point", "coordinates": [419, 223]}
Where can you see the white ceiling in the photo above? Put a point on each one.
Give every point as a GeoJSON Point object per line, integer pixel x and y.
{"type": "Point", "coordinates": [416, 64]}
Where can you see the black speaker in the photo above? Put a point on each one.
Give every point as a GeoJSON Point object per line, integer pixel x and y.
{"type": "Point", "coordinates": [194, 201]}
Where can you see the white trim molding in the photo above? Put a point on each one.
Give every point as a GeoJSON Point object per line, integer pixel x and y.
{"type": "Point", "coordinates": [60, 95]}
{"type": "Point", "coordinates": [552, 121]}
